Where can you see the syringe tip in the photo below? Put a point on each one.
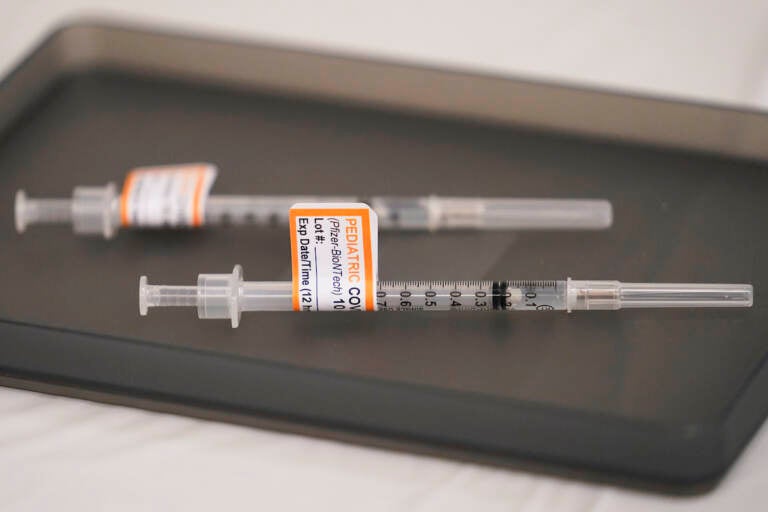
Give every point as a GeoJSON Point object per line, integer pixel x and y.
{"type": "Point", "coordinates": [143, 306]}
{"type": "Point", "coordinates": [19, 210]}
{"type": "Point", "coordinates": [604, 214]}
{"type": "Point", "coordinates": [749, 295]}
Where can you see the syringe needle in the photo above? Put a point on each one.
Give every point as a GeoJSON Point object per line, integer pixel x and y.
{"type": "Point", "coordinates": [228, 295]}
{"type": "Point", "coordinates": [96, 211]}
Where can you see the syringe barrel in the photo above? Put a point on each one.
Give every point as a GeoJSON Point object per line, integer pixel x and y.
{"type": "Point", "coordinates": [435, 213]}
{"type": "Point", "coordinates": [428, 213]}
{"type": "Point", "coordinates": [258, 210]}
{"type": "Point", "coordinates": [592, 295]}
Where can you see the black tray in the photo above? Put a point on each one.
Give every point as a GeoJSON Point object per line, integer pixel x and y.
{"type": "Point", "coordinates": [665, 395]}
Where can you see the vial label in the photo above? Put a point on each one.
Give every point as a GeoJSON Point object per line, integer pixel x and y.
{"type": "Point", "coordinates": [166, 196]}
{"type": "Point", "coordinates": [334, 253]}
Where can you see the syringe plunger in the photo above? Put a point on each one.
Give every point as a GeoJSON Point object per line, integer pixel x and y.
{"type": "Point", "coordinates": [91, 211]}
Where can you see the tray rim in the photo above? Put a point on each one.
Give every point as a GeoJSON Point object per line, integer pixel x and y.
{"type": "Point", "coordinates": [704, 442]}
{"type": "Point", "coordinates": [711, 128]}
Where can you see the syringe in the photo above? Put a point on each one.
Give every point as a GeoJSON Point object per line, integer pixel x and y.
{"type": "Point", "coordinates": [228, 295]}
{"type": "Point", "coordinates": [96, 211]}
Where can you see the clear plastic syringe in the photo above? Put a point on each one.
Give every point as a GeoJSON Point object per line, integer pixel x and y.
{"type": "Point", "coordinates": [228, 295]}
{"type": "Point", "coordinates": [96, 211]}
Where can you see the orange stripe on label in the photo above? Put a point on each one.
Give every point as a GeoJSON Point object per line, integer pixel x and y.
{"type": "Point", "coordinates": [197, 220]}
{"type": "Point", "coordinates": [294, 259]}
{"type": "Point", "coordinates": [368, 261]}
{"type": "Point", "coordinates": [127, 186]}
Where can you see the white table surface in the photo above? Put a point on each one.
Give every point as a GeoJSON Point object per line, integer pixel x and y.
{"type": "Point", "coordinates": [64, 454]}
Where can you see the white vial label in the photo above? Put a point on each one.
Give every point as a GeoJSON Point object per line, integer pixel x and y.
{"type": "Point", "coordinates": [173, 195]}
{"type": "Point", "coordinates": [334, 253]}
